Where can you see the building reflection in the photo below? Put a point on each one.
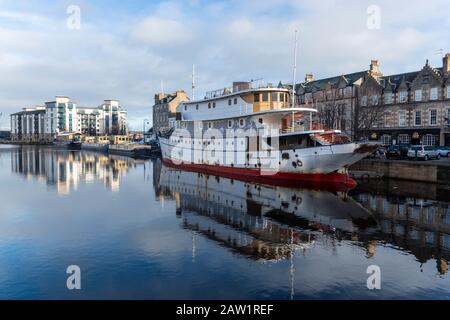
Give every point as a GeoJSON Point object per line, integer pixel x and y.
{"type": "Point", "coordinates": [64, 170]}
{"type": "Point", "coordinates": [415, 222]}
{"type": "Point", "coordinates": [270, 222]}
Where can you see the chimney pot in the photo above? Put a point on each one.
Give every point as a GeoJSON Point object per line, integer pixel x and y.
{"type": "Point", "coordinates": [309, 77]}
{"type": "Point", "coordinates": [445, 63]}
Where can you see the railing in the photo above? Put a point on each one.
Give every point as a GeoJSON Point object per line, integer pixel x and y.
{"type": "Point", "coordinates": [254, 84]}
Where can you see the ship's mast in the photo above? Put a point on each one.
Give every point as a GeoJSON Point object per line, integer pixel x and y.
{"type": "Point", "coordinates": [294, 79]}
{"type": "Point", "coordinates": [193, 82]}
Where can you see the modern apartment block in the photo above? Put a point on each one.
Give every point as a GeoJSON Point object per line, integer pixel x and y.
{"type": "Point", "coordinates": [165, 107]}
{"type": "Point", "coordinates": [411, 107]}
{"type": "Point", "coordinates": [44, 123]}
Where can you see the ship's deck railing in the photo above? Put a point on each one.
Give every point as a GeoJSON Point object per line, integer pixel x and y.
{"type": "Point", "coordinates": [255, 84]}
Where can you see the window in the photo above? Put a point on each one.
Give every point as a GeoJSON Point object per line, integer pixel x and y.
{"type": "Point", "coordinates": [364, 101]}
{"type": "Point", "coordinates": [386, 139]}
{"type": "Point", "coordinates": [256, 97]}
{"type": "Point", "coordinates": [433, 93]}
{"type": "Point", "coordinates": [374, 100]}
{"type": "Point", "coordinates": [209, 105]}
{"type": "Point", "coordinates": [274, 96]}
{"type": "Point", "coordinates": [448, 91]}
{"type": "Point", "coordinates": [433, 117]}
{"type": "Point", "coordinates": [241, 122]}
{"type": "Point", "coordinates": [235, 100]}
{"type": "Point", "coordinates": [230, 123]}
{"type": "Point", "coordinates": [418, 118]}
{"type": "Point", "coordinates": [210, 125]}
{"type": "Point", "coordinates": [214, 104]}
{"type": "Point", "coordinates": [386, 120]}
{"type": "Point", "coordinates": [185, 108]}
{"type": "Point", "coordinates": [265, 97]}
{"type": "Point", "coordinates": [196, 107]}
{"type": "Point", "coordinates": [402, 118]}
{"type": "Point", "coordinates": [429, 140]}
{"type": "Point", "coordinates": [388, 98]}
{"type": "Point", "coordinates": [403, 96]}
{"type": "Point", "coordinates": [229, 102]}
{"type": "Point", "coordinates": [260, 120]}
{"type": "Point", "coordinates": [404, 139]}
{"type": "Point", "coordinates": [418, 95]}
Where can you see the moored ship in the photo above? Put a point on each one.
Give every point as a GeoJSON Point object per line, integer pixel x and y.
{"type": "Point", "coordinates": [254, 131]}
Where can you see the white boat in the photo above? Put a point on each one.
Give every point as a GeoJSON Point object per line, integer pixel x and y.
{"type": "Point", "coordinates": [254, 132]}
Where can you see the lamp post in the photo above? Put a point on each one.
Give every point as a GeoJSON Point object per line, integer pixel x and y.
{"type": "Point", "coordinates": [146, 121]}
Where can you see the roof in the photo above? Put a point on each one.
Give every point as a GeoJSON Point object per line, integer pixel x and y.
{"type": "Point", "coordinates": [350, 78]}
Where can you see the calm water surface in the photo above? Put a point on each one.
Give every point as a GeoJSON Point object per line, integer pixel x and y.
{"type": "Point", "coordinates": [139, 230]}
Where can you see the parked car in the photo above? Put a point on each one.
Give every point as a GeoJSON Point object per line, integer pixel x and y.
{"type": "Point", "coordinates": [443, 151]}
{"type": "Point", "coordinates": [397, 152]}
{"type": "Point", "coordinates": [423, 152]}
{"type": "Point", "coordinates": [378, 153]}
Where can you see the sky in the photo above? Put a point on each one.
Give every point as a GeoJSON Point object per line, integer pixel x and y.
{"type": "Point", "coordinates": [126, 49]}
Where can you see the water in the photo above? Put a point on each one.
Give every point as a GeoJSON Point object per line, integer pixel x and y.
{"type": "Point", "coordinates": [139, 230]}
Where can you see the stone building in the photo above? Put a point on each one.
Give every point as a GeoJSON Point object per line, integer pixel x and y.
{"type": "Point", "coordinates": [165, 107]}
{"type": "Point", "coordinates": [411, 107]}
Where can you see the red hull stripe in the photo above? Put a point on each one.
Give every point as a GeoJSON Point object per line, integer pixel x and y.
{"type": "Point", "coordinates": [332, 181]}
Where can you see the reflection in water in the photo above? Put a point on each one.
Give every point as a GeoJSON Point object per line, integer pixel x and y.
{"type": "Point", "coordinates": [270, 223]}
{"type": "Point", "coordinates": [65, 170]}
{"type": "Point", "coordinates": [412, 223]}
{"type": "Point", "coordinates": [187, 234]}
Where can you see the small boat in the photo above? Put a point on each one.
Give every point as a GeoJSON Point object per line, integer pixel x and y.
{"type": "Point", "coordinates": [101, 147]}
{"type": "Point", "coordinates": [69, 145]}
{"type": "Point", "coordinates": [131, 150]}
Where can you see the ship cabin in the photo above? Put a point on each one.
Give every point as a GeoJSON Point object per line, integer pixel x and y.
{"type": "Point", "coordinates": [254, 105]}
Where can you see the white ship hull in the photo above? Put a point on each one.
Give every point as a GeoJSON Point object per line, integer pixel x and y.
{"type": "Point", "coordinates": [322, 163]}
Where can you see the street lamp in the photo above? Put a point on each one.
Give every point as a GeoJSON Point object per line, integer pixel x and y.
{"type": "Point", "coordinates": [146, 121]}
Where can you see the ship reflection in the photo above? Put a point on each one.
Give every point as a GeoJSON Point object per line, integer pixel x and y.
{"type": "Point", "coordinates": [258, 221]}
{"type": "Point", "coordinates": [271, 222]}
{"type": "Point", "coordinates": [64, 170]}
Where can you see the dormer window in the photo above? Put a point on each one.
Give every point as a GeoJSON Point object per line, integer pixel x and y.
{"type": "Point", "coordinates": [375, 100]}
{"type": "Point", "coordinates": [403, 96]}
{"type": "Point", "coordinates": [433, 93]}
{"type": "Point", "coordinates": [388, 98]}
{"type": "Point", "coordinates": [418, 95]}
{"type": "Point", "coordinates": [364, 101]}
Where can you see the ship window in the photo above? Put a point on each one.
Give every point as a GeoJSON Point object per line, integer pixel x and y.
{"type": "Point", "coordinates": [265, 97]}
{"type": "Point", "coordinates": [235, 100]}
{"type": "Point", "coordinates": [185, 108]}
{"type": "Point", "coordinates": [275, 97]}
{"type": "Point", "coordinates": [260, 120]}
{"type": "Point", "coordinates": [214, 104]}
{"type": "Point", "coordinates": [209, 105]}
{"type": "Point", "coordinates": [210, 125]}
{"type": "Point", "coordinates": [241, 122]}
{"type": "Point", "coordinates": [229, 102]}
{"type": "Point", "coordinates": [257, 97]}
{"type": "Point", "coordinates": [230, 123]}
{"type": "Point", "coordinates": [196, 107]}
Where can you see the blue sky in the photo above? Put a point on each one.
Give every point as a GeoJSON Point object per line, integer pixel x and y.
{"type": "Point", "coordinates": [125, 49]}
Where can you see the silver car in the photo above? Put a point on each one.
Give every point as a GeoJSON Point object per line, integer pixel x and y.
{"type": "Point", "coordinates": [443, 151]}
{"type": "Point", "coordinates": [423, 152]}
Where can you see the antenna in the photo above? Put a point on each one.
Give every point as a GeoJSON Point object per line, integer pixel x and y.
{"type": "Point", "coordinates": [441, 52]}
{"type": "Point", "coordinates": [193, 82]}
{"type": "Point", "coordinates": [162, 87]}
{"type": "Point", "coordinates": [295, 69]}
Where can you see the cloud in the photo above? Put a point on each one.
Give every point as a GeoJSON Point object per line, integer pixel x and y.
{"type": "Point", "coordinates": [126, 51]}
{"type": "Point", "coordinates": [157, 31]}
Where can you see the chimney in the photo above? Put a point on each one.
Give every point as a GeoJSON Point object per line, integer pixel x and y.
{"type": "Point", "coordinates": [445, 64]}
{"type": "Point", "coordinates": [309, 77]}
{"type": "Point", "coordinates": [375, 68]}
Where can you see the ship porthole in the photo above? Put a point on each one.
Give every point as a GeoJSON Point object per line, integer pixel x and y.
{"type": "Point", "coordinates": [299, 163]}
